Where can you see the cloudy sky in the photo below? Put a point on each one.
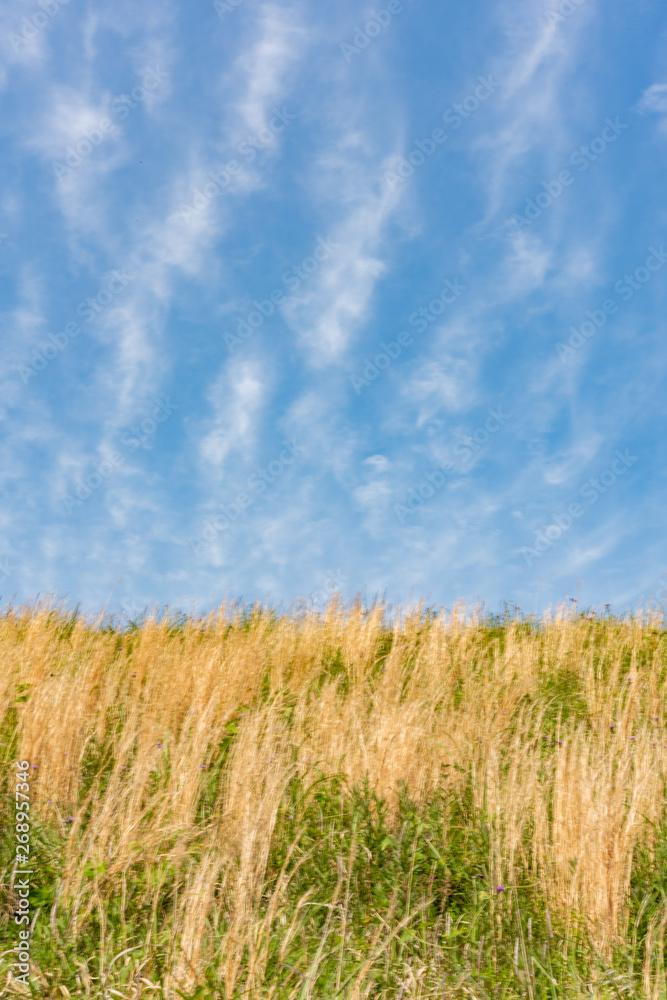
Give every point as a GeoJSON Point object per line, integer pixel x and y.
{"type": "Point", "coordinates": [299, 296]}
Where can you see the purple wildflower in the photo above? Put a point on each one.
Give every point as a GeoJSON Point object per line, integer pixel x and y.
{"type": "Point", "coordinates": [500, 888]}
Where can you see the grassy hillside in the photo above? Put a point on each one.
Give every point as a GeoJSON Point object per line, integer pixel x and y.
{"type": "Point", "coordinates": [299, 805]}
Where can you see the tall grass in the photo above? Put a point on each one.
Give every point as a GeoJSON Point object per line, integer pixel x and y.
{"type": "Point", "coordinates": [338, 804]}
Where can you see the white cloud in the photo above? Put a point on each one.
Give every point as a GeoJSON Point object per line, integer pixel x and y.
{"type": "Point", "coordinates": [379, 463]}
{"type": "Point", "coordinates": [570, 466]}
{"type": "Point", "coordinates": [337, 301]}
{"type": "Point", "coordinates": [373, 496]}
{"type": "Point", "coordinates": [437, 385]}
{"type": "Point", "coordinates": [527, 265]}
{"type": "Point", "coordinates": [654, 99]}
{"type": "Point", "coordinates": [265, 65]}
{"type": "Point", "coordinates": [237, 398]}
{"type": "Point", "coordinates": [529, 115]}
{"type": "Point", "coordinates": [70, 116]}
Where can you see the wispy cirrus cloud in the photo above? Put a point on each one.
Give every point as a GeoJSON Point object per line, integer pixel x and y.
{"type": "Point", "coordinates": [654, 102]}
{"type": "Point", "coordinates": [261, 73]}
{"type": "Point", "coordinates": [313, 136]}
{"type": "Point", "coordinates": [237, 398]}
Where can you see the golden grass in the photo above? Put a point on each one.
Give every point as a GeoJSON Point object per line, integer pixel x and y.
{"type": "Point", "coordinates": [569, 789]}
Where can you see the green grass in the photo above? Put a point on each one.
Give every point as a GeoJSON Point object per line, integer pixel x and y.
{"type": "Point", "coordinates": [350, 878]}
{"type": "Point", "coordinates": [356, 899]}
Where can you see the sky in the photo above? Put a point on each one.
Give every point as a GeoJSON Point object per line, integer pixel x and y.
{"type": "Point", "coordinates": [302, 297]}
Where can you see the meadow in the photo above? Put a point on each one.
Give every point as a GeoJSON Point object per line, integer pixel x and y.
{"type": "Point", "coordinates": [336, 804]}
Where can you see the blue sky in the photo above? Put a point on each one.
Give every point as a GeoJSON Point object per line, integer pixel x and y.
{"type": "Point", "coordinates": [299, 296]}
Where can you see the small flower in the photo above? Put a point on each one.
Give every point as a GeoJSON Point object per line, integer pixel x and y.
{"type": "Point", "coordinates": [49, 802]}
{"type": "Point", "coordinates": [35, 766]}
{"type": "Point", "coordinates": [159, 744]}
{"type": "Point", "coordinates": [70, 819]}
{"type": "Point", "coordinates": [202, 767]}
{"type": "Point", "coordinates": [123, 768]}
{"type": "Point", "coordinates": [500, 888]}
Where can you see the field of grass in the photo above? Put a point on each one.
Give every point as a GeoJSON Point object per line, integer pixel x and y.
{"type": "Point", "coordinates": [336, 804]}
